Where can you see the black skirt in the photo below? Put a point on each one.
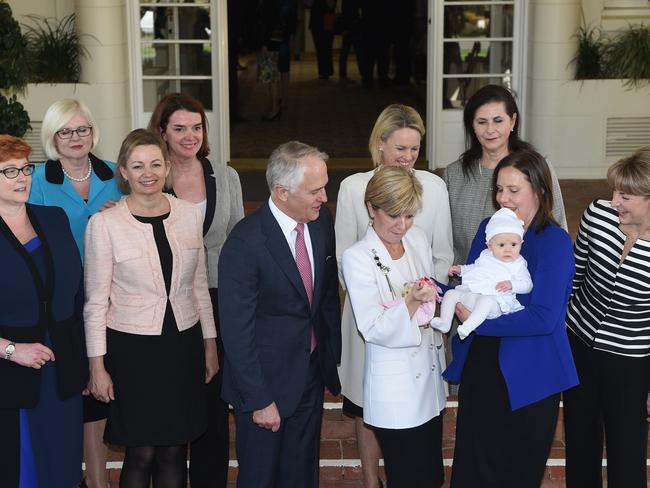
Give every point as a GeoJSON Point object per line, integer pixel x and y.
{"type": "Point", "coordinates": [496, 446]}
{"type": "Point", "coordinates": [159, 385]}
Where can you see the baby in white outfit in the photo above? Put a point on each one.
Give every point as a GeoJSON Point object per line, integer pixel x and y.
{"type": "Point", "coordinates": [490, 285]}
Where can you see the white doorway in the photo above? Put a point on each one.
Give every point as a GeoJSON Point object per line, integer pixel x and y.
{"type": "Point", "coordinates": [181, 47]}
{"type": "Point", "coordinates": [471, 44]}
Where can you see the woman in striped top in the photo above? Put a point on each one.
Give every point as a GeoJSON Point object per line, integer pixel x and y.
{"type": "Point", "coordinates": [609, 322]}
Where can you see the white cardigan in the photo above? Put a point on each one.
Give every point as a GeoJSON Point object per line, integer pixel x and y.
{"type": "Point", "coordinates": [352, 221]}
{"type": "Point", "coordinates": [402, 383]}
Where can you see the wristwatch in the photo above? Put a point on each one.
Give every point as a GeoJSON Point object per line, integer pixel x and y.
{"type": "Point", "coordinates": [9, 350]}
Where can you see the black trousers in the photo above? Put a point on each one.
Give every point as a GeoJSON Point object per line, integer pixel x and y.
{"type": "Point", "coordinates": [288, 458]}
{"type": "Point", "coordinates": [323, 44]}
{"type": "Point", "coordinates": [209, 453]}
{"type": "Point", "coordinates": [612, 397]}
{"type": "Point", "coordinates": [413, 457]}
{"type": "Point", "coordinates": [497, 447]}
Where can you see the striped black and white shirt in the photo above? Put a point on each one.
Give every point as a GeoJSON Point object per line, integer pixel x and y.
{"type": "Point", "coordinates": [610, 303]}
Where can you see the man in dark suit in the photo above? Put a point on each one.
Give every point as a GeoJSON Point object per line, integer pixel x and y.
{"type": "Point", "coordinates": [280, 322]}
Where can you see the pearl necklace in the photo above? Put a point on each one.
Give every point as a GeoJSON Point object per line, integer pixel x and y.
{"type": "Point", "coordinates": [83, 178]}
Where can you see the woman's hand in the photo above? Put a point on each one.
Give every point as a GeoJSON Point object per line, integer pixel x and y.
{"type": "Point", "coordinates": [33, 355]}
{"type": "Point", "coordinates": [100, 384]}
{"type": "Point", "coordinates": [107, 204]}
{"type": "Point", "coordinates": [424, 292]}
{"type": "Point", "coordinates": [462, 313]}
{"type": "Point", "coordinates": [454, 270]}
{"type": "Point", "coordinates": [211, 359]}
{"type": "Point", "coordinates": [420, 292]}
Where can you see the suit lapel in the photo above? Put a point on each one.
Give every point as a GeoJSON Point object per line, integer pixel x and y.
{"type": "Point", "coordinates": [279, 249]}
{"type": "Point", "coordinates": [317, 236]}
{"type": "Point", "coordinates": [210, 194]}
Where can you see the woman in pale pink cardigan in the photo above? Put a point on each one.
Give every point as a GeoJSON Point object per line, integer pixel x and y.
{"type": "Point", "coordinates": [148, 317]}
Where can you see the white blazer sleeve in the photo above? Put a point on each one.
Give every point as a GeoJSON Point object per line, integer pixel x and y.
{"type": "Point", "coordinates": [442, 243]}
{"type": "Point", "coordinates": [345, 225]}
{"type": "Point", "coordinates": [388, 327]}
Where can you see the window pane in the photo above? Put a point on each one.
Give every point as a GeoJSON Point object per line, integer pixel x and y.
{"type": "Point", "coordinates": [176, 59]}
{"type": "Point", "coordinates": [174, 23]}
{"type": "Point", "coordinates": [479, 21]}
{"type": "Point", "coordinates": [469, 57]}
{"type": "Point", "coordinates": [456, 91]}
{"type": "Point", "coordinates": [154, 90]}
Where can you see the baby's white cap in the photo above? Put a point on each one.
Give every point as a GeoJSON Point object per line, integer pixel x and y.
{"type": "Point", "coordinates": [504, 221]}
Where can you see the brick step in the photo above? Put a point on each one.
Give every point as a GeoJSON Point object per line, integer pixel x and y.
{"type": "Point", "coordinates": [340, 465]}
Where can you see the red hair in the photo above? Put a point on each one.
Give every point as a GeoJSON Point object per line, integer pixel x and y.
{"type": "Point", "coordinates": [13, 148]}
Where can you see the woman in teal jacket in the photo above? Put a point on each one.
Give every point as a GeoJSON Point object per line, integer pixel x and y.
{"type": "Point", "coordinates": [81, 184]}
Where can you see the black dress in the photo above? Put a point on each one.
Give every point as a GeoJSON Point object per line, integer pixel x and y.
{"type": "Point", "coordinates": [158, 380]}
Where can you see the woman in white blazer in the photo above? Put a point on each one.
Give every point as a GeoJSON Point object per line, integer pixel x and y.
{"type": "Point", "coordinates": [403, 393]}
{"type": "Point", "coordinates": [395, 141]}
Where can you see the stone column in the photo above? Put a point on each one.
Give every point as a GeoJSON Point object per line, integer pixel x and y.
{"type": "Point", "coordinates": [552, 45]}
{"type": "Point", "coordinates": [105, 77]}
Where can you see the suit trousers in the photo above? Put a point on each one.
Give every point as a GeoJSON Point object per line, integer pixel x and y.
{"type": "Point", "coordinates": [611, 396]}
{"type": "Point", "coordinates": [413, 457]}
{"type": "Point", "coordinates": [288, 458]}
{"type": "Point", "coordinates": [209, 453]}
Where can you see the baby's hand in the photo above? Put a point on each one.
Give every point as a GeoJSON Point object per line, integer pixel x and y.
{"type": "Point", "coordinates": [454, 270]}
{"type": "Point", "coordinates": [504, 285]}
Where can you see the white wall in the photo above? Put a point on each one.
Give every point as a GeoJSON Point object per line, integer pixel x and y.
{"type": "Point", "coordinates": [105, 78]}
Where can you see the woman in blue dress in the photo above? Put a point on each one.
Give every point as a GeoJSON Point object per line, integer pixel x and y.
{"type": "Point", "coordinates": [81, 184]}
{"type": "Point", "coordinates": [43, 364]}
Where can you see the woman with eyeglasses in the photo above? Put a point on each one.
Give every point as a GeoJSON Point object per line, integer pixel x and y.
{"type": "Point", "coordinates": [43, 364]}
{"type": "Point", "coordinates": [81, 184]}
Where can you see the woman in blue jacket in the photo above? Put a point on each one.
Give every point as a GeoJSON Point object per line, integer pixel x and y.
{"type": "Point", "coordinates": [81, 184]}
{"type": "Point", "coordinates": [513, 368]}
{"type": "Point", "coordinates": [43, 364]}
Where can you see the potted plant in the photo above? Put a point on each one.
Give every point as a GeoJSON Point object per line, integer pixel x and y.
{"type": "Point", "coordinates": [627, 56]}
{"type": "Point", "coordinates": [54, 49]}
{"type": "Point", "coordinates": [14, 73]}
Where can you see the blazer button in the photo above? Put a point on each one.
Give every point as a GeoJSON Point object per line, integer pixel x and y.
{"type": "Point", "coordinates": [417, 376]}
{"type": "Point", "coordinates": [431, 346]}
{"type": "Point", "coordinates": [433, 368]}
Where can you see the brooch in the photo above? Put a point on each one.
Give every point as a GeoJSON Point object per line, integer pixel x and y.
{"type": "Point", "coordinates": [384, 269]}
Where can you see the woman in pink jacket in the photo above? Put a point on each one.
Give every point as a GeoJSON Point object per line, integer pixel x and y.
{"type": "Point", "coordinates": [148, 317]}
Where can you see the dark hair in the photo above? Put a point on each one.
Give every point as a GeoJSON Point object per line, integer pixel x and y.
{"type": "Point", "coordinates": [12, 147]}
{"type": "Point", "coordinates": [136, 138]}
{"type": "Point", "coordinates": [172, 103]}
{"type": "Point", "coordinates": [534, 167]}
{"type": "Point", "coordinates": [473, 149]}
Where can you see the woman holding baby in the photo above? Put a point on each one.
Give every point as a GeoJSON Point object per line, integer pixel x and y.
{"type": "Point", "coordinates": [386, 278]}
{"type": "Point", "coordinates": [512, 368]}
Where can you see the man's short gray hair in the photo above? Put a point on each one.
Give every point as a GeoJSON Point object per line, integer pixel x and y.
{"type": "Point", "coordinates": [284, 168]}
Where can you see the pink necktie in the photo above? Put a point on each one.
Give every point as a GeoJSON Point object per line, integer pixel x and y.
{"type": "Point", "coordinates": [304, 268]}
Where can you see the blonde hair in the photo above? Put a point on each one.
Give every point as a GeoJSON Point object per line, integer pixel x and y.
{"type": "Point", "coordinates": [631, 174]}
{"type": "Point", "coordinates": [392, 118]}
{"type": "Point", "coordinates": [395, 190]}
{"type": "Point", "coordinates": [57, 115]}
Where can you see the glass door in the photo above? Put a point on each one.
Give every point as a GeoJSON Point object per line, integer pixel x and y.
{"type": "Point", "coordinates": [178, 46]}
{"type": "Point", "coordinates": [475, 43]}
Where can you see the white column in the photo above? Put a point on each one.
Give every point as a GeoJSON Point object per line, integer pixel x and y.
{"type": "Point", "coordinates": [102, 25]}
{"type": "Point", "coordinates": [552, 45]}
